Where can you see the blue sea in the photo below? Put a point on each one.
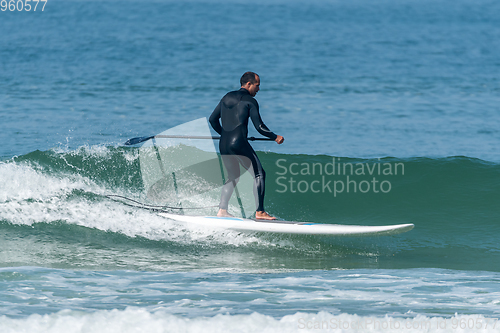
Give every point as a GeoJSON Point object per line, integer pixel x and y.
{"type": "Point", "coordinates": [390, 111]}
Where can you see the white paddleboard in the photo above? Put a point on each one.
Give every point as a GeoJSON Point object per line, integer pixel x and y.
{"type": "Point", "coordinates": [290, 227]}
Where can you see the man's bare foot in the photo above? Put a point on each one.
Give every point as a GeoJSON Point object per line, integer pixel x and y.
{"type": "Point", "coordinates": [224, 213]}
{"type": "Point", "coordinates": [263, 216]}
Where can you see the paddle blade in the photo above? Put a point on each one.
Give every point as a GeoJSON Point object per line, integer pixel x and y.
{"type": "Point", "coordinates": [135, 141]}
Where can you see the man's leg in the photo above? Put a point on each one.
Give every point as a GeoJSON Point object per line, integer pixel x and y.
{"type": "Point", "coordinates": [233, 171]}
{"type": "Point", "coordinates": [259, 176]}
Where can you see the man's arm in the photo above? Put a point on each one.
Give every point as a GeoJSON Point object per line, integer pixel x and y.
{"type": "Point", "coordinates": [258, 123]}
{"type": "Point", "coordinates": [214, 119]}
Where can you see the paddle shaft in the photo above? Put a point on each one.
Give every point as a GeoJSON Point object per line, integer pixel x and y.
{"type": "Point", "coordinates": [135, 141]}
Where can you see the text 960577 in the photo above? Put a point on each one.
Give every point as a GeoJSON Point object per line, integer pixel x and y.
{"type": "Point", "coordinates": [22, 5]}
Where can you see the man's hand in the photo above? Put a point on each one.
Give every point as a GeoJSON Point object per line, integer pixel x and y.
{"type": "Point", "coordinates": [279, 139]}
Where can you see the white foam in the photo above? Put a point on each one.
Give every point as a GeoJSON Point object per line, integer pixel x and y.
{"type": "Point", "coordinates": [29, 196]}
{"type": "Point", "coordinates": [140, 320]}
{"type": "Point", "coordinates": [22, 182]}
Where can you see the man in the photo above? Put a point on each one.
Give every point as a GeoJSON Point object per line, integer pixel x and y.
{"type": "Point", "coordinates": [234, 110]}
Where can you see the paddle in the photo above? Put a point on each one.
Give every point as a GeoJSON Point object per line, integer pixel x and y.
{"type": "Point", "coordinates": [135, 141]}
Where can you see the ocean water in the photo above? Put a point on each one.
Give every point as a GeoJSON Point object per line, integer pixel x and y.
{"type": "Point", "coordinates": [390, 113]}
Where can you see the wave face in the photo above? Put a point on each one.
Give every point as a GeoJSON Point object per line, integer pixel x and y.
{"type": "Point", "coordinates": [54, 212]}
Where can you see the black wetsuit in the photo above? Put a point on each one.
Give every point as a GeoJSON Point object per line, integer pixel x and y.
{"type": "Point", "coordinates": [234, 110]}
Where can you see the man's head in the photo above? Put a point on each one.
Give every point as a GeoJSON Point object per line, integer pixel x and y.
{"type": "Point", "coordinates": [251, 82]}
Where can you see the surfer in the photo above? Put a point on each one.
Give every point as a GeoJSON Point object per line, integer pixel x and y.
{"type": "Point", "coordinates": [234, 110]}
